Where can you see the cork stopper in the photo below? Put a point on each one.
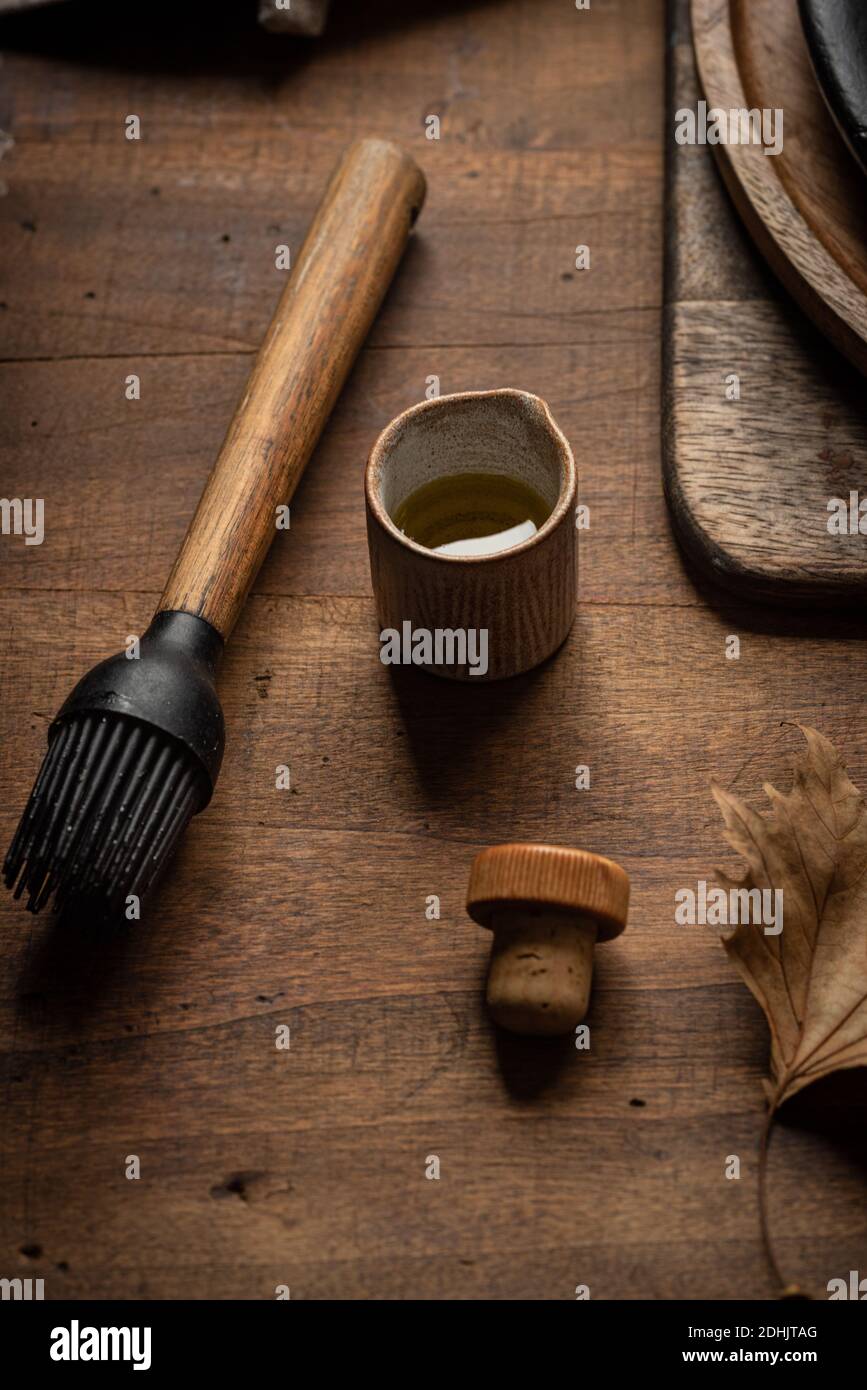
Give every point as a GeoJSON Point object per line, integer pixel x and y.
{"type": "Point", "coordinates": [547, 907]}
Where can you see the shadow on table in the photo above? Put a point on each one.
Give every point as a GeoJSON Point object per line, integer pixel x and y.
{"type": "Point", "coordinates": [76, 962]}
{"type": "Point", "coordinates": [450, 725]}
{"type": "Point", "coordinates": [834, 1108]}
{"type": "Point", "coordinates": [222, 40]}
{"type": "Point", "coordinates": [530, 1066]}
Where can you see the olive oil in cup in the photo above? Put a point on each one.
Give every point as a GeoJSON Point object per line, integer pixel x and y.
{"type": "Point", "coordinates": [472, 513]}
{"type": "Point", "coordinates": [471, 529]}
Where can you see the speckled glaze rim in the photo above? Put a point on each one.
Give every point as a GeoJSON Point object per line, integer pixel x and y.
{"type": "Point", "coordinates": [381, 448]}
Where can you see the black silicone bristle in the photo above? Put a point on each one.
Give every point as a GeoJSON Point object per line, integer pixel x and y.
{"type": "Point", "coordinates": [111, 800]}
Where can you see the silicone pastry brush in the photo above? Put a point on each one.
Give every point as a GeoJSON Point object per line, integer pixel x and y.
{"type": "Point", "coordinates": [136, 749]}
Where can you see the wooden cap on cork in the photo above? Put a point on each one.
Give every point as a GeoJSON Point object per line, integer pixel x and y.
{"type": "Point", "coordinates": [571, 880]}
{"type": "Point", "coordinates": [547, 908]}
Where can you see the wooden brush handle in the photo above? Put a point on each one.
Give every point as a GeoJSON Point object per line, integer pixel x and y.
{"type": "Point", "coordinates": [336, 286]}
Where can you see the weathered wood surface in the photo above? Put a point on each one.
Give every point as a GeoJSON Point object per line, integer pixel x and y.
{"type": "Point", "coordinates": [307, 907]}
{"type": "Point", "coordinates": [749, 479]}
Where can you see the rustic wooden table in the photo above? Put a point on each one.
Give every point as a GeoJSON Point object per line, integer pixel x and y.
{"type": "Point", "coordinates": [306, 908]}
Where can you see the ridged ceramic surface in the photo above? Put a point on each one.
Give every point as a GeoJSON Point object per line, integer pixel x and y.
{"type": "Point", "coordinates": [524, 597]}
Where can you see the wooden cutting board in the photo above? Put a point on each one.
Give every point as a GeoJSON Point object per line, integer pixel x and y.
{"type": "Point", "coordinates": [749, 479]}
{"type": "Point", "coordinates": [806, 206]}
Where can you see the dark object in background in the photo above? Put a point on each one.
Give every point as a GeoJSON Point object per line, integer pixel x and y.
{"type": "Point", "coordinates": [302, 16]}
{"type": "Point", "coordinates": [299, 17]}
{"type": "Point", "coordinates": [12, 5]}
{"type": "Point", "coordinates": [136, 749]}
{"type": "Point", "coordinates": [836, 34]}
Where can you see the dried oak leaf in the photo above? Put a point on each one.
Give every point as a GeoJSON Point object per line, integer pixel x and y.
{"type": "Point", "coordinates": [811, 979]}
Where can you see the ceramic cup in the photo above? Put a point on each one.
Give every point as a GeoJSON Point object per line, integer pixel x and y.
{"type": "Point", "coordinates": [434, 608]}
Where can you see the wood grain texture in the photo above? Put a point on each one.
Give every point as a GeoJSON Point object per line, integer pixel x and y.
{"type": "Point", "coordinates": [232, 161]}
{"type": "Point", "coordinates": [520, 603]}
{"type": "Point", "coordinates": [335, 288]}
{"type": "Point", "coordinates": [70, 419]}
{"type": "Point", "coordinates": [804, 207]}
{"type": "Point", "coordinates": [306, 907]}
{"type": "Point", "coordinates": [749, 480]}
